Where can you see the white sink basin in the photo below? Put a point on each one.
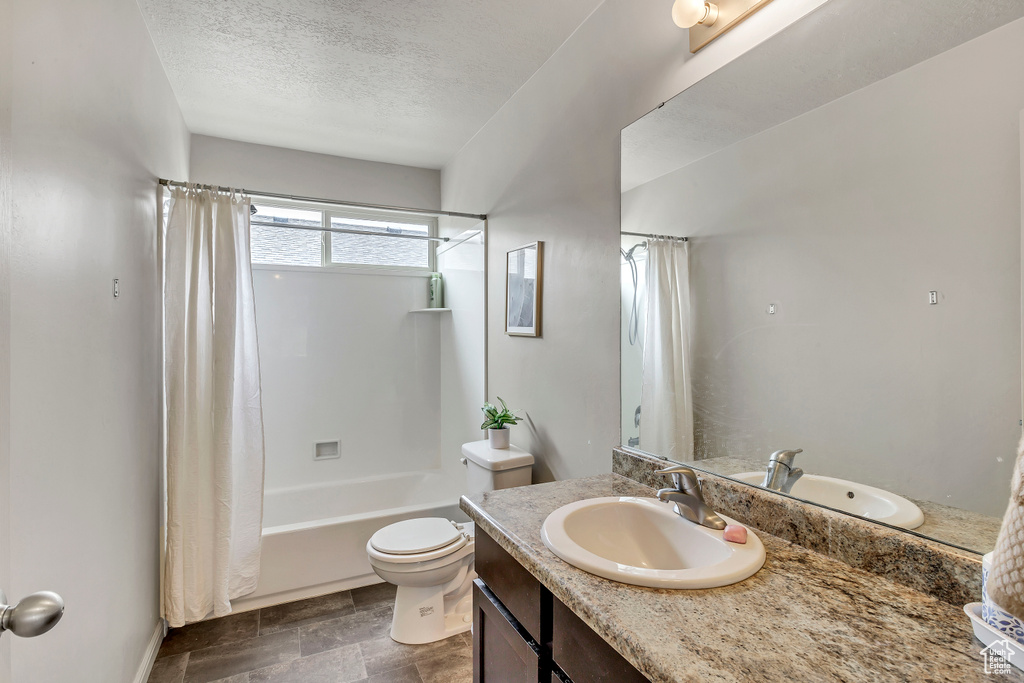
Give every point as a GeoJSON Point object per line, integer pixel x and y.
{"type": "Point", "coordinates": [848, 496]}
{"type": "Point", "coordinates": [642, 541]}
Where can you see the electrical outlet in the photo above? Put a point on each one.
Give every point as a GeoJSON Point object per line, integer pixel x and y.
{"type": "Point", "coordinates": [117, 288]}
{"type": "Point", "coordinates": [933, 297]}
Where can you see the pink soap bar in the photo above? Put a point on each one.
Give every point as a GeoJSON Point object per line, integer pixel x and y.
{"type": "Point", "coordinates": [734, 533]}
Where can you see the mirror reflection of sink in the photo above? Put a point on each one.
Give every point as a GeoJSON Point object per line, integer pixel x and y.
{"type": "Point", "coordinates": [643, 542]}
{"type": "Point", "coordinates": [848, 496]}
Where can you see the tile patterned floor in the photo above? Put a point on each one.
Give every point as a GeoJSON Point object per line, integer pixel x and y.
{"type": "Point", "coordinates": [337, 638]}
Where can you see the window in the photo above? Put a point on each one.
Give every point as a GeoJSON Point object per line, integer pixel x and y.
{"type": "Point", "coordinates": [308, 244]}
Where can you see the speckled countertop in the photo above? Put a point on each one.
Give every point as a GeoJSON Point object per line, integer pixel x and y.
{"type": "Point", "coordinates": [803, 617]}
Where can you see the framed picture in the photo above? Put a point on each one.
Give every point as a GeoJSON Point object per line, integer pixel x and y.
{"type": "Point", "coordinates": [525, 266]}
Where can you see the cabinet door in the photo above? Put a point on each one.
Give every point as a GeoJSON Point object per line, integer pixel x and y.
{"type": "Point", "coordinates": [516, 588]}
{"type": "Point", "coordinates": [584, 655]}
{"type": "Point", "coordinates": [501, 651]}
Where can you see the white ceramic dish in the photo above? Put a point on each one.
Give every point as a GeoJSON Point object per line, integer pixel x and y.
{"type": "Point", "coordinates": [990, 636]}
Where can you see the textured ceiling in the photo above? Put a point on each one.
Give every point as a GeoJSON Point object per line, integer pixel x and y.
{"type": "Point", "coordinates": [400, 82]}
{"type": "Point", "coordinates": [843, 46]}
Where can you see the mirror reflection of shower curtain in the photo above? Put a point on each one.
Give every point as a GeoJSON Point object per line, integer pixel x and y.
{"type": "Point", "coordinates": [666, 425]}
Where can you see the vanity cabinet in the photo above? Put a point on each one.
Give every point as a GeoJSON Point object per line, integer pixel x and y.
{"type": "Point", "coordinates": [522, 633]}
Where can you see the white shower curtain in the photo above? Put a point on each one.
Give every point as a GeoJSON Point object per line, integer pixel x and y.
{"type": "Point", "coordinates": [666, 412]}
{"type": "Point", "coordinates": [213, 417]}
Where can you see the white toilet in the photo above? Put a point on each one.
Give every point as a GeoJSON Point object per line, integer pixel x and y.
{"type": "Point", "coordinates": [431, 559]}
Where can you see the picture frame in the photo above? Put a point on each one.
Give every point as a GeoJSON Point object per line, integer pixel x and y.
{"type": "Point", "coordinates": [524, 274]}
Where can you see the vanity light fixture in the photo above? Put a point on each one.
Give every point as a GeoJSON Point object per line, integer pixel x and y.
{"type": "Point", "coordinates": [708, 20]}
{"type": "Point", "coordinates": [687, 13]}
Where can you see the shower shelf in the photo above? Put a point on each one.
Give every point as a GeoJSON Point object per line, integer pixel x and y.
{"type": "Point", "coordinates": [431, 310]}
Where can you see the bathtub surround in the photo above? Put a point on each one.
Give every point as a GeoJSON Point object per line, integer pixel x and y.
{"type": "Point", "coordinates": [802, 617]}
{"type": "Point", "coordinates": [341, 355]}
{"type": "Point", "coordinates": [212, 407]}
{"type": "Point", "coordinates": [950, 574]}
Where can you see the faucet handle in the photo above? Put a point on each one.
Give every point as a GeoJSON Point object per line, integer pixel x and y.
{"type": "Point", "coordinates": [785, 456]}
{"type": "Point", "coordinates": [683, 478]}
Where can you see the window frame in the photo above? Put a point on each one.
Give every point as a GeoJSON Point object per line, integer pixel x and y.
{"type": "Point", "coordinates": [329, 211]}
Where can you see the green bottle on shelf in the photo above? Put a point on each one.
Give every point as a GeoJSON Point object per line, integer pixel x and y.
{"type": "Point", "coordinates": [436, 291]}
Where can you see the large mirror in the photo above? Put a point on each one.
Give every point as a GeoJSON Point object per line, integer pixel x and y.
{"type": "Point", "coordinates": [850, 282]}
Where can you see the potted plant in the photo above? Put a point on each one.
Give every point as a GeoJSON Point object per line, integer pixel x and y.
{"type": "Point", "coordinates": [496, 423]}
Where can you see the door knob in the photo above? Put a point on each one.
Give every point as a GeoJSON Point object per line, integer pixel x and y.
{"type": "Point", "coordinates": [33, 616]}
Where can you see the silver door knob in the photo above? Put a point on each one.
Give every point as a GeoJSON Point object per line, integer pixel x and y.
{"type": "Point", "coordinates": [33, 616]}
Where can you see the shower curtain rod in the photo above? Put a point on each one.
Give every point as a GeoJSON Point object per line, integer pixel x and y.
{"type": "Point", "coordinates": [660, 237]}
{"type": "Point", "coordinates": [332, 202]}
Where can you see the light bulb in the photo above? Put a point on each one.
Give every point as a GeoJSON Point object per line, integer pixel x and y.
{"type": "Point", "coordinates": [687, 13]}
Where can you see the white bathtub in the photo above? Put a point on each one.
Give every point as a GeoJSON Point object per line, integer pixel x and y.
{"type": "Point", "coordinates": [314, 537]}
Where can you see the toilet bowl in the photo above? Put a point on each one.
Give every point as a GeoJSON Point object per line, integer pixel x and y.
{"type": "Point", "coordinates": [431, 561]}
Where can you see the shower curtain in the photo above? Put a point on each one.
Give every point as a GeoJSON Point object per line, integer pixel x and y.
{"type": "Point", "coordinates": [666, 412]}
{"type": "Point", "coordinates": [213, 420]}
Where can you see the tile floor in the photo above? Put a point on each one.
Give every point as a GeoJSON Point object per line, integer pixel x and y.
{"type": "Point", "coordinates": [336, 638]}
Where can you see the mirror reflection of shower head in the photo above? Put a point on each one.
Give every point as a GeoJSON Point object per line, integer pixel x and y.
{"type": "Point", "coordinates": [634, 313]}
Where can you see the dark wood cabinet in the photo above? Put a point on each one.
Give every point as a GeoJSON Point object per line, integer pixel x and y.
{"type": "Point", "coordinates": [585, 656]}
{"type": "Point", "coordinates": [503, 651]}
{"type": "Point", "coordinates": [521, 632]}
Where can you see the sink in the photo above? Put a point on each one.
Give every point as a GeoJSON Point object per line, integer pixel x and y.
{"type": "Point", "coordinates": [643, 542]}
{"type": "Point", "coordinates": [848, 496]}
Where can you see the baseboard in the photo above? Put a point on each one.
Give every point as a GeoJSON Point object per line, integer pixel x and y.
{"type": "Point", "coordinates": [261, 601]}
{"type": "Point", "coordinates": [146, 667]}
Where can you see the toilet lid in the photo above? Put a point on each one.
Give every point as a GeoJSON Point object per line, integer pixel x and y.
{"type": "Point", "coordinates": [415, 536]}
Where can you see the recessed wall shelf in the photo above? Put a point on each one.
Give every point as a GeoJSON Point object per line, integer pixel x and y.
{"type": "Point", "coordinates": [431, 310]}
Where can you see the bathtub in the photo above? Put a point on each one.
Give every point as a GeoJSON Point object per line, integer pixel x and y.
{"type": "Point", "coordinates": [314, 537]}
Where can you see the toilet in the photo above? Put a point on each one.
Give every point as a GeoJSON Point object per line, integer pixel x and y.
{"type": "Point", "coordinates": [430, 559]}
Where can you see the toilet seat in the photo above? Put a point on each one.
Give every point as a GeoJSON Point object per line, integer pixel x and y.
{"type": "Point", "coordinates": [417, 540]}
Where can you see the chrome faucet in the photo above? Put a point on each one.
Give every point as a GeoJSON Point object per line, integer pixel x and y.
{"type": "Point", "coordinates": [688, 499]}
{"type": "Point", "coordinates": [781, 475]}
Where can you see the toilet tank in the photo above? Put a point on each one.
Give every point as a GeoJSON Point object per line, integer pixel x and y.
{"type": "Point", "coordinates": [489, 469]}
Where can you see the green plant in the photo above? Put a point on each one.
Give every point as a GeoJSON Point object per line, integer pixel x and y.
{"type": "Point", "coordinates": [497, 419]}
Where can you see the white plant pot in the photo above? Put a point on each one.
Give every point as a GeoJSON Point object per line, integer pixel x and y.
{"type": "Point", "coordinates": [499, 437]}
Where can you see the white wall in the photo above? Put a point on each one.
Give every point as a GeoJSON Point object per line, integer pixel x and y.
{"type": "Point", "coordinates": [846, 218]}
{"type": "Point", "coordinates": [287, 171]}
{"type": "Point", "coordinates": [94, 123]}
{"type": "Point", "coordinates": [546, 167]}
{"type": "Point", "coordinates": [341, 357]}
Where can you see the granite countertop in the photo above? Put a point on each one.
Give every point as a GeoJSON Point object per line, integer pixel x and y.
{"type": "Point", "coordinates": [803, 617]}
{"type": "Point", "coordinates": [963, 528]}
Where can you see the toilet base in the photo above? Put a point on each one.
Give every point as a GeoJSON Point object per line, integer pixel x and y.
{"type": "Point", "coordinates": [425, 615]}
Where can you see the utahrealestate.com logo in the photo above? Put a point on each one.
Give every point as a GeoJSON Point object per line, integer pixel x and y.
{"type": "Point", "coordinates": [997, 657]}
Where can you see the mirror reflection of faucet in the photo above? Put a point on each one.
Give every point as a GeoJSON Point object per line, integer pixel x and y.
{"type": "Point", "coordinates": [781, 475]}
